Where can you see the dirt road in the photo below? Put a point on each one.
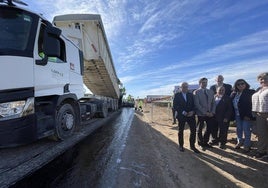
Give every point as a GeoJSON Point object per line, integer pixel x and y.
{"type": "Point", "coordinates": [152, 158]}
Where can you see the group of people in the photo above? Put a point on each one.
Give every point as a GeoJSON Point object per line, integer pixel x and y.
{"type": "Point", "coordinates": [216, 107]}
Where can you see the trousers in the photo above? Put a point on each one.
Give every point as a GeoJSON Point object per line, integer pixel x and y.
{"type": "Point", "coordinates": [192, 124]}
{"type": "Point", "coordinates": [262, 131]}
{"type": "Point", "coordinates": [204, 138]}
{"type": "Point", "coordinates": [243, 127]}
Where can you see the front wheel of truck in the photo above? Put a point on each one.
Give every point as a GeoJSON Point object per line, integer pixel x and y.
{"type": "Point", "coordinates": [65, 121]}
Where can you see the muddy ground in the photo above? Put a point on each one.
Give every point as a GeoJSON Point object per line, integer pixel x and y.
{"type": "Point", "coordinates": [152, 158]}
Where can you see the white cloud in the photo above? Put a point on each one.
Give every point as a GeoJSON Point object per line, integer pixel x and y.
{"type": "Point", "coordinates": [127, 79]}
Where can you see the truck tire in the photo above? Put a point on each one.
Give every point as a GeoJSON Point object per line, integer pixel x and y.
{"type": "Point", "coordinates": [65, 121]}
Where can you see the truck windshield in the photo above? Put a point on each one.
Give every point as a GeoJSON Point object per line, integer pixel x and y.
{"type": "Point", "coordinates": [17, 31]}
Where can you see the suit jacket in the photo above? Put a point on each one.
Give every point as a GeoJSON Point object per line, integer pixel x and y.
{"type": "Point", "coordinates": [201, 104]}
{"type": "Point", "coordinates": [181, 105]}
{"type": "Point", "coordinates": [224, 109]}
{"type": "Point", "coordinates": [245, 103]}
{"type": "Point", "coordinates": [228, 89]}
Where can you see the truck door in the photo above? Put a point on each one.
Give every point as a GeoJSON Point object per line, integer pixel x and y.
{"type": "Point", "coordinates": [52, 74]}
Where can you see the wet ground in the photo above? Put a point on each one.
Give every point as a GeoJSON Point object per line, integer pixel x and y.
{"type": "Point", "coordinates": [94, 162]}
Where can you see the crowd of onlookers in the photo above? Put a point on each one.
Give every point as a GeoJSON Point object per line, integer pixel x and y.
{"type": "Point", "coordinates": [212, 109]}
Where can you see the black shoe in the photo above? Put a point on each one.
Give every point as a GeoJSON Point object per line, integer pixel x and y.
{"type": "Point", "coordinates": [213, 143]}
{"type": "Point", "coordinates": [208, 146]}
{"type": "Point", "coordinates": [181, 148]}
{"type": "Point", "coordinates": [222, 146]}
{"type": "Point", "coordinates": [195, 150]}
{"type": "Point", "coordinates": [202, 148]}
{"type": "Point", "coordinates": [200, 143]}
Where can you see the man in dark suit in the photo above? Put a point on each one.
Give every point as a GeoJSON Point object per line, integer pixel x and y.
{"type": "Point", "coordinates": [183, 103]}
{"type": "Point", "coordinates": [219, 82]}
{"type": "Point", "coordinates": [205, 110]}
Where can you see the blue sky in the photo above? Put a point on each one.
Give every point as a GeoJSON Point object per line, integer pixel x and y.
{"type": "Point", "coordinates": [157, 44]}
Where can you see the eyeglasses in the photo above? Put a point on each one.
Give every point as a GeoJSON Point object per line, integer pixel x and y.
{"type": "Point", "coordinates": [241, 84]}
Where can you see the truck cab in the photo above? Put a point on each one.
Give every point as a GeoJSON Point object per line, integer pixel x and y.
{"type": "Point", "coordinates": [40, 85]}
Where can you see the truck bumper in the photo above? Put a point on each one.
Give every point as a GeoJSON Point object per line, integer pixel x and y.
{"type": "Point", "coordinates": [17, 131]}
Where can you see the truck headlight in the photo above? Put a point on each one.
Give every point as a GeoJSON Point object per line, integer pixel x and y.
{"type": "Point", "coordinates": [16, 109]}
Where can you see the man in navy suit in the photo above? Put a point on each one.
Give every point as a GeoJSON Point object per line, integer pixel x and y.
{"type": "Point", "coordinates": [183, 103]}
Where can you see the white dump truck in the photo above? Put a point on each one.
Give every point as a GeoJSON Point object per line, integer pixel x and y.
{"type": "Point", "coordinates": [44, 69]}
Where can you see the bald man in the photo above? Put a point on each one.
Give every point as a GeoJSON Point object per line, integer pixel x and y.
{"type": "Point", "coordinates": [219, 82]}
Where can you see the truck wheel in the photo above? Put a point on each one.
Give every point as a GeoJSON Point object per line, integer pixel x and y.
{"type": "Point", "coordinates": [65, 121]}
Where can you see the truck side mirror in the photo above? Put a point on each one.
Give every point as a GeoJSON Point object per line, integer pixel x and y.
{"type": "Point", "coordinates": [51, 46]}
{"type": "Point", "coordinates": [42, 61]}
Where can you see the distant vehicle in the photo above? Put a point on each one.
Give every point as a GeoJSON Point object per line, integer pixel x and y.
{"type": "Point", "coordinates": [43, 69]}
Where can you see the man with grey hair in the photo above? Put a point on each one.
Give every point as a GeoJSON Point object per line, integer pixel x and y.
{"type": "Point", "coordinates": [183, 103]}
{"type": "Point", "coordinates": [219, 82]}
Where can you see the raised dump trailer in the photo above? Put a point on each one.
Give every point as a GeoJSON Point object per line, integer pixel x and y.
{"type": "Point", "coordinates": [87, 32]}
{"type": "Point", "coordinates": [43, 71]}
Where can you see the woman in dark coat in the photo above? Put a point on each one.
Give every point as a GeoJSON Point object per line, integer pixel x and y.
{"type": "Point", "coordinates": [241, 98]}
